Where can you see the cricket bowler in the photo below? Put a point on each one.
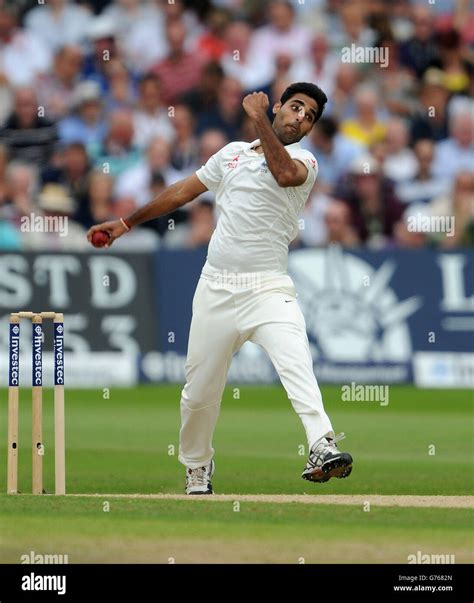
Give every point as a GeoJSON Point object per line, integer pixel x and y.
{"type": "Point", "coordinates": [261, 187]}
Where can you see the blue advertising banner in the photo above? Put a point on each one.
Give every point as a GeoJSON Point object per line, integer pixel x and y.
{"type": "Point", "coordinates": [389, 316]}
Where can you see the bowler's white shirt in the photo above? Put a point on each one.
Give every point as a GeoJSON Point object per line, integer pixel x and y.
{"type": "Point", "coordinates": [258, 218]}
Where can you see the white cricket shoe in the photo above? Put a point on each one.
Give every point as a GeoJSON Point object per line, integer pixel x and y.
{"type": "Point", "coordinates": [198, 481]}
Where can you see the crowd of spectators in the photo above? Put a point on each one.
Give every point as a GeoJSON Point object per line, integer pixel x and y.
{"type": "Point", "coordinates": [105, 103]}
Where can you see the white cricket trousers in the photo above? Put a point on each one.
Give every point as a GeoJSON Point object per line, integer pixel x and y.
{"type": "Point", "coordinates": [224, 318]}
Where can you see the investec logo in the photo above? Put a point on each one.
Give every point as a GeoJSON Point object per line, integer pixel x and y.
{"type": "Point", "coordinates": [15, 356]}
{"type": "Point", "coordinates": [59, 355]}
{"type": "Point", "coordinates": [37, 341]}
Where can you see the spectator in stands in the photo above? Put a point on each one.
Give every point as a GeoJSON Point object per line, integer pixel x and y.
{"type": "Point", "coordinates": [53, 201]}
{"type": "Point", "coordinates": [426, 184]}
{"type": "Point", "coordinates": [58, 23]}
{"type": "Point", "coordinates": [459, 202]}
{"type": "Point", "coordinates": [22, 55]}
{"type": "Point", "coordinates": [97, 205]}
{"type": "Point", "coordinates": [87, 124]}
{"type": "Point", "coordinates": [203, 98]}
{"type": "Point", "coordinates": [3, 173]}
{"type": "Point", "coordinates": [400, 164]}
{"type": "Point", "coordinates": [180, 71]}
{"type": "Point", "coordinates": [405, 235]}
{"type": "Point", "coordinates": [321, 66]}
{"type": "Point", "coordinates": [135, 182]}
{"type": "Point", "coordinates": [281, 35]}
{"type": "Point", "coordinates": [352, 26]}
{"type": "Point", "coordinates": [375, 209]}
{"type": "Point", "coordinates": [333, 151]}
{"type": "Point", "coordinates": [102, 36]}
{"type": "Point", "coordinates": [118, 151]}
{"type": "Point", "coordinates": [429, 119]}
{"type": "Point", "coordinates": [28, 136]}
{"type": "Point", "coordinates": [213, 44]}
{"type": "Point", "coordinates": [151, 118]}
{"type": "Point", "coordinates": [238, 63]}
{"type": "Point", "coordinates": [456, 69]}
{"type": "Point", "coordinates": [228, 114]}
{"type": "Point", "coordinates": [456, 152]}
{"type": "Point", "coordinates": [197, 231]}
{"type": "Point", "coordinates": [22, 184]}
{"type": "Point", "coordinates": [341, 104]}
{"type": "Point", "coordinates": [121, 89]}
{"type": "Point", "coordinates": [339, 228]}
{"type": "Point", "coordinates": [56, 89]}
{"type": "Point", "coordinates": [420, 52]}
{"type": "Point", "coordinates": [365, 128]}
{"type": "Point", "coordinates": [140, 30]}
{"type": "Point", "coordinates": [72, 172]}
{"type": "Point", "coordinates": [185, 146]}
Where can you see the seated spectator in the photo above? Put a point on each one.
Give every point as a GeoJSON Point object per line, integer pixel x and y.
{"type": "Point", "coordinates": [405, 235]}
{"type": "Point", "coordinates": [341, 103]}
{"type": "Point", "coordinates": [135, 182]}
{"type": "Point", "coordinates": [121, 89]}
{"type": "Point", "coordinates": [10, 239]}
{"type": "Point", "coordinates": [23, 56]}
{"type": "Point", "coordinates": [238, 63]}
{"type": "Point", "coordinates": [333, 150]}
{"type": "Point", "coordinates": [86, 125]}
{"type": "Point", "coordinates": [151, 119]}
{"type": "Point", "coordinates": [375, 209]}
{"type": "Point", "coordinates": [228, 114]}
{"type": "Point", "coordinates": [426, 184]}
{"type": "Point", "coordinates": [459, 203]}
{"type": "Point", "coordinates": [56, 89]}
{"type": "Point", "coordinates": [58, 23]}
{"type": "Point", "coordinates": [419, 52]}
{"type": "Point", "coordinates": [102, 39]}
{"type": "Point", "coordinates": [320, 66]}
{"type": "Point", "coordinates": [203, 98]}
{"type": "Point", "coordinates": [3, 172]}
{"type": "Point", "coordinates": [21, 188]}
{"type": "Point", "coordinates": [198, 229]}
{"type": "Point", "coordinates": [339, 228]}
{"type": "Point", "coordinates": [66, 233]}
{"type": "Point", "coordinates": [213, 43]}
{"type": "Point", "coordinates": [429, 119]}
{"type": "Point", "coordinates": [456, 69]}
{"type": "Point", "coordinates": [118, 151]}
{"type": "Point", "coordinates": [140, 31]}
{"type": "Point", "coordinates": [456, 152]}
{"type": "Point", "coordinates": [29, 138]}
{"type": "Point", "coordinates": [400, 164]}
{"type": "Point", "coordinates": [313, 230]}
{"type": "Point", "coordinates": [181, 70]}
{"type": "Point", "coordinates": [184, 151]}
{"type": "Point", "coordinates": [365, 128]}
{"type": "Point", "coordinates": [352, 26]}
{"type": "Point", "coordinates": [97, 205]}
{"type": "Point", "coordinates": [72, 172]}
{"type": "Point", "coordinates": [281, 35]}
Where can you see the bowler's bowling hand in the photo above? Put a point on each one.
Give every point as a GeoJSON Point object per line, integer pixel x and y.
{"type": "Point", "coordinates": [103, 235]}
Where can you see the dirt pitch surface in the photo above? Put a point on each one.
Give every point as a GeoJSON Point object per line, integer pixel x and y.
{"type": "Point", "coordinates": [440, 502]}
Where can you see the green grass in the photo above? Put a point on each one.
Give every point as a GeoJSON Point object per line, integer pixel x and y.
{"type": "Point", "coordinates": [121, 445]}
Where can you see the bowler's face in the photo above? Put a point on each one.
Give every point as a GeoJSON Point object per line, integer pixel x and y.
{"type": "Point", "coordinates": [295, 118]}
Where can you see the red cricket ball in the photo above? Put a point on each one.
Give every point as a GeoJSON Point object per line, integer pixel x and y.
{"type": "Point", "coordinates": [100, 238]}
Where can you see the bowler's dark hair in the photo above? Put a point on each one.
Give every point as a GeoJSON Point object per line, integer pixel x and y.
{"type": "Point", "coordinates": [310, 90]}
